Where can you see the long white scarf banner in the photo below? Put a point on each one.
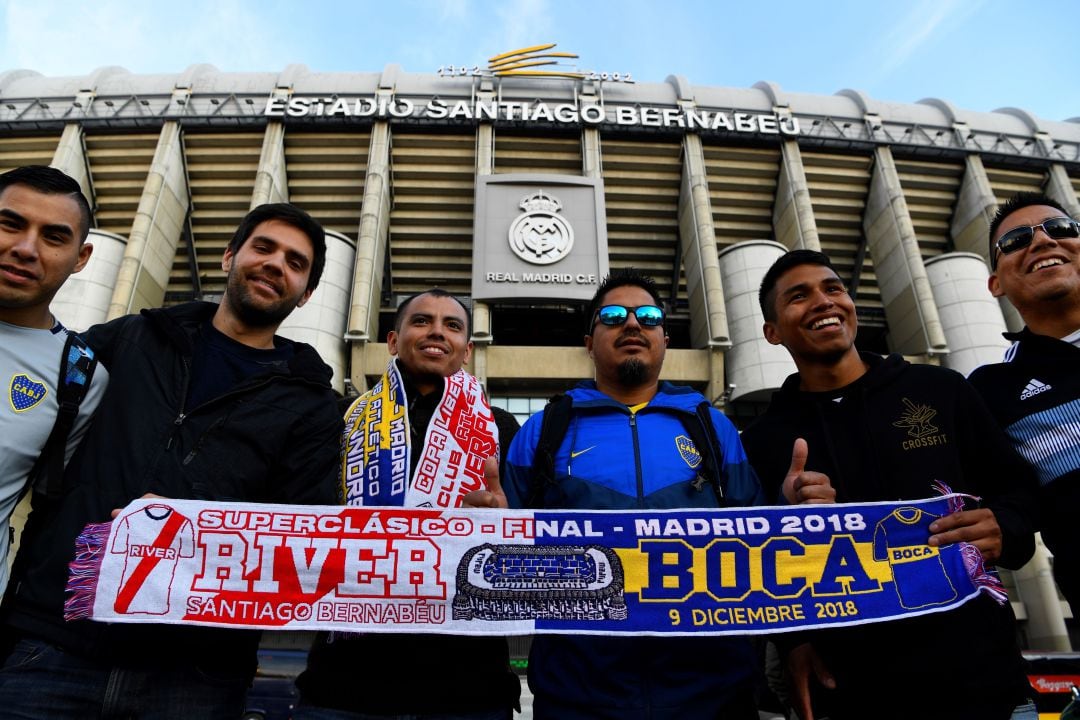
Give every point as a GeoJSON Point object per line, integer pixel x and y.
{"type": "Point", "coordinates": [512, 572]}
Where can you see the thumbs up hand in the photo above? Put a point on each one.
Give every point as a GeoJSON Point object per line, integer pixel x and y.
{"type": "Point", "coordinates": [802, 486]}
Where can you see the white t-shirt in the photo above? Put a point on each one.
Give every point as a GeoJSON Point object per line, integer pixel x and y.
{"type": "Point", "coordinates": [30, 369]}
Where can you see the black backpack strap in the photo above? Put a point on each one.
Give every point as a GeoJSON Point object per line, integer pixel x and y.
{"type": "Point", "coordinates": [77, 365]}
{"type": "Point", "coordinates": [703, 434]}
{"type": "Point", "coordinates": [553, 426]}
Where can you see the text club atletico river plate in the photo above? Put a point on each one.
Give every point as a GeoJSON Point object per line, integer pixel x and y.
{"type": "Point", "coordinates": [510, 572]}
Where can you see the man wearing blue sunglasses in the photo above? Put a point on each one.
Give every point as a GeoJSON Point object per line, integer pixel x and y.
{"type": "Point", "coordinates": [627, 445]}
{"type": "Point", "coordinates": [1035, 393]}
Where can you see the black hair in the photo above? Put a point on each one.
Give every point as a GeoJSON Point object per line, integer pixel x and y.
{"type": "Point", "coordinates": [621, 278]}
{"type": "Point", "coordinates": [1019, 201]}
{"type": "Point", "coordinates": [399, 316]}
{"type": "Point", "coordinates": [790, 259]}
{"type": "Point", "coordinates": [290, 215]}
{"type": "Point", "coordinates": [49, 180]}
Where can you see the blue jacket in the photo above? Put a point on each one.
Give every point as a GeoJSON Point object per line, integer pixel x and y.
{"type": "Point", "coordinates": [611, 459]}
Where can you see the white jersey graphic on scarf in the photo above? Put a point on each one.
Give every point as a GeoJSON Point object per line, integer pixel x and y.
{"type": "Point", "coordinates": [153, 540]}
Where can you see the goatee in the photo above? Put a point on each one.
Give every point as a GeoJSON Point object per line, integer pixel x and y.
{"type": "Point", "coordinates": [632, 372]}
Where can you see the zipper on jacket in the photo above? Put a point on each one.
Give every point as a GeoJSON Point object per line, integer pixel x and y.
{"type": "Point", "coordinates": [183, 403]}
{"type": "Point", "coordinates": [637, 462]}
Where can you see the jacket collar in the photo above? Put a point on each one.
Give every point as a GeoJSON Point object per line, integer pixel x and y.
{"type": "Point", "coordinates": [180, 323]}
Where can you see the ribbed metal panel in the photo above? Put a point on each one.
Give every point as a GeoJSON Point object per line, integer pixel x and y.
{"type": "Point", "coordinates": [1006, 182]}
{"type": "Point", "coordinates": [326, 172]}
{"type": "Point", "coordinates": [221, 172]}
{"type": "Point", "coordinates": [516, 153]}
{"type": "Point", "coordinates": [641, 192]}
{"type": "Point", "coordinates": [838, 188]}
{"type": "Point", "coordinates": [431, 222]}
{"type": "Point", "coordinates": [119, 164]}
{"type": "Point", "coordinates": [742, 191]}
{"type": "Point", "coordinates": [27, 150]}
{"type": "Point", "coordinates": [930, 190]}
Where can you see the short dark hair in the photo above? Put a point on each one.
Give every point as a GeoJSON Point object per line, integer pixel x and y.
{"type": "Point", "coordinates": [399, 316]}
{"type": "Point", "coordinates": [1019, 201]}
{"type": "Point", "coordinates": [790, 259]}
{"type": "Point", "coordinates": [290, 215]}
{"type": "Point", "coordinates": [51, 181]}
{"type": "Point", "coordinates": [629, 276]}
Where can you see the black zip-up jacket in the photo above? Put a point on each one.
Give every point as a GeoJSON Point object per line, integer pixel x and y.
{"type": "Point", "coordinates": [274, 438]}
{"type": "Point", "coordinates": [891, 435]}
{"type": "Point", "coordinates": [1035, 396]}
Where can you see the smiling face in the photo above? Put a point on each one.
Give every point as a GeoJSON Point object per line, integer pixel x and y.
{"type": "Point", "coordinates": [815, 316]}
{"type": "Point", "coordinates": [40, 247]}
{"type": "Point", "coordinates": [268, 275]}
{"type": "Point", "coordinates": [628, 355]}
{"type": "Point", "coordinates": [1042, 278]}
{"type": "Point", "coordinates": [432, 341]}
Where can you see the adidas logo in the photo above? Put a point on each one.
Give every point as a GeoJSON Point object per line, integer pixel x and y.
{"type": "Point", "coordinates": [1034, 387]}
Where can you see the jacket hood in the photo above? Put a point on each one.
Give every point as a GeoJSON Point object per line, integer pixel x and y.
{"type": "Point", "coordinates": [181, 322]}
{"type": "Point", "coordinates": [880, 371]}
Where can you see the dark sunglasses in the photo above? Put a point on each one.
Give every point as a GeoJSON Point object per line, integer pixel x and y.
{"type": "Point", "coordinates": [612, 315]}
{"type": "Point", "coordinates": [1019, 238]}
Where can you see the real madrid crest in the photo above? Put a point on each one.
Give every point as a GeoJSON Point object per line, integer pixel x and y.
{"type": "Point", "coordinates": [539, 235]}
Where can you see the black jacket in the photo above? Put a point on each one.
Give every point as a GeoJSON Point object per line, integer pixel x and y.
{"type": "Point", "coordinates": [1035, 396]}
{"type": "Point", "coordinates": [893, 434]}
{"type": "Point", "coordinates": [274, 438]}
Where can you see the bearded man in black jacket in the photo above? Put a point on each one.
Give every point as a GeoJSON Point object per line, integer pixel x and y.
{"type": "Point", "coordinates": [205, 403]}
{"type": "Point", "coordinates": [885, 430]}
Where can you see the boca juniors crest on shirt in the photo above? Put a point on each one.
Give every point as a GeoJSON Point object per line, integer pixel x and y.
{"type": "Point", "coordinates": [25, 393]}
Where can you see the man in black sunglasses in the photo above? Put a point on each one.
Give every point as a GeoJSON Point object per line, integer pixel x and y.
{"type": "Point", "coordinates": [627, 446]}
{"type": "Point", "coordinates": [1035, 393]}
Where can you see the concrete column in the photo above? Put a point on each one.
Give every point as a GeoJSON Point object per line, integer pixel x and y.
{"type": "Point", "coordinates": [975, 208]}
{"type": "Point", "coordinates": [271, 180]}
{"type": "Point", "coordinates": [708, 314]}
{"type": "Point", "coordinates": [481, 314]}
{"type": "Point", "coordinates": [1045, 618]}
{"type": "Point", "coordinates": [914, 326]}
{"type": "Point", "coordinates": [970, 316]}
{"type": "Point", "coordinates": [976, 205]}
{"type": "Point", "coordinates": [155, 233]}
{"type": "Point", "coordinates": [1059, 187]}
{"type": "Point", "coordinates": [70, 157]}
{"type": "Point", "coordinates": [363, 325]}
{"type": "Point", "coordinates": [321, 321]}
{"type": "Point", "coordinates": [84, 299]}
{"type": "Point", "coordinates": [793, 214]}
{"type": "Point", "coordinates": [755, 369]}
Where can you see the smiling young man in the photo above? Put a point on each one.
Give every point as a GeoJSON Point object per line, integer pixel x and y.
{"type": "Point", "coordinates": [626, 447]}
{"type": "Point", "coordinates": [883, 429]}
{"type": "Point", "coordinates": [1035, 393]}
{"type": "Point", "coordinates": [44, 222]}
{"type": "Point", "coordinates": [205, 402]}
{"type": "Point", "coordinates": [374, 676]}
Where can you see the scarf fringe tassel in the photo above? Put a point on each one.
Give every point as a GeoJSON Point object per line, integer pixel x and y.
{"type": "Point", "coordinates": [84, 569]}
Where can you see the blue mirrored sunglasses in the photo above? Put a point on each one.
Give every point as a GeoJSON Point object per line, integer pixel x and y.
{"type": "Point", "coordinates": [647, 315]}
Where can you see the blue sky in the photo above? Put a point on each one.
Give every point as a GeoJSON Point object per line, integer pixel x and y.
{"type": "Point", "coordinates": [977, 54]}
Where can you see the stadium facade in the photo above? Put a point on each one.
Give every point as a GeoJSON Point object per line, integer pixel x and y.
{"type": "Point", "coordinates": [521, 191]}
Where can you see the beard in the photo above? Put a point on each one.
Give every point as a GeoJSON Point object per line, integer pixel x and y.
{"type": "Point", "coordinates": [253, 313]}
{"type": "Point", "coordinates": [632, 372]}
